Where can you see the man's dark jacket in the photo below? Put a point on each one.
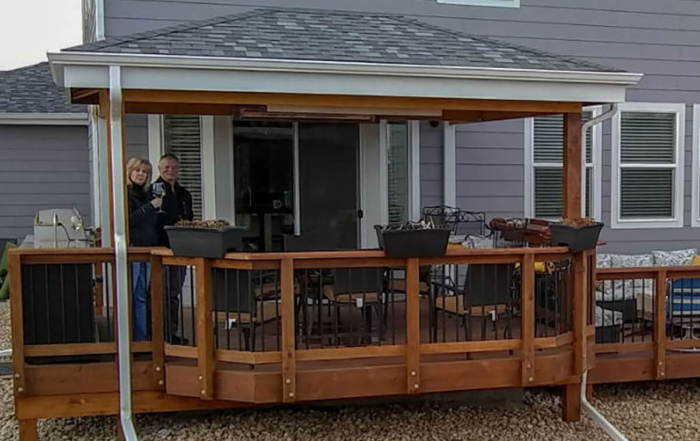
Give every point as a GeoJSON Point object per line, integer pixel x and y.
{"type": "Point", "coordinates": [177, 205]}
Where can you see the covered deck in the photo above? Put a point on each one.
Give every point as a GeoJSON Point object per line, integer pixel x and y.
{"type": "Point", "coordinates": [262, 328]}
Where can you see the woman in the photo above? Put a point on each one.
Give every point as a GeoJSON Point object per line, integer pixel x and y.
{"type": "Point", "coordinates": [142, 233]}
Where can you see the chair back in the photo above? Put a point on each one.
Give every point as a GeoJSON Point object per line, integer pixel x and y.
{"type": "Point", "coordinates": [488, 284]}
{"type": "Point", "coordinates": [233, 290]}
{"type": "Point", "coordinates": [358, 280]}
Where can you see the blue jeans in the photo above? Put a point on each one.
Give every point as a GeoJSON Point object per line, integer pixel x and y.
{"type": "Point", "coordinates": [140, 279]}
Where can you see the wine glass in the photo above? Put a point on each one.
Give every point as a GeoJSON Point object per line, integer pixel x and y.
{"type": "Point", "coordinates": [159, 192]}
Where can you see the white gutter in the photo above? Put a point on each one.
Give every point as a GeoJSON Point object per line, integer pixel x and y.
{"type": "Point", "coordinates": [59, 59]}
{"type": "Point", "coordinates": [120, 254]}
{"type": "Point", "coordinates": [44, 119]}
{"type": "Point", "coordinates": [597, 417]}
{"type": "Point", "coordinates": [591, 411]}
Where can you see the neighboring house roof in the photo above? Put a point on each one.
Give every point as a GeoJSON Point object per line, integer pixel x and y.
{"type": "Point", "coordinates": [31, 90]}
{"type": "Point", "coordinates": [323, 35]}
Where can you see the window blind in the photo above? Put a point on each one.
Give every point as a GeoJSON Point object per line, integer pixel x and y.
{"type": "Point", "coordinates": [397, 163]}
{"type": "Point", "coordinates": [646, 193]}
{"type": "Point", "coordinates": [549, 138]}
{"type": "Point", "coordinates": [647, 138]}
{"type": "Point", "coordinates": [549, 192]}
{"type": "Point", "coordinates": [548, 153]}
{"type": "Point", "coordinates": [182, 138]}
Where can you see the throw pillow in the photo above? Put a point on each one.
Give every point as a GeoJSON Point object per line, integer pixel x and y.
{"type": "Point", "coordinates": [674, 258]}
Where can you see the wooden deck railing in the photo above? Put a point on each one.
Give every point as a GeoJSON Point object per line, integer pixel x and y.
{"type": "Point", "coordinates": [654, 337]}
{"type": "Point", "coordinates": [431, 325]}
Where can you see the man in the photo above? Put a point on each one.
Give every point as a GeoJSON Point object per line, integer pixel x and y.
{"type": "Point", "coordinates": [177, 206]}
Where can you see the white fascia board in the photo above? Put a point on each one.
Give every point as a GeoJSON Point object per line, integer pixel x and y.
{"type": "Point", "coordinates": [318, 77]}
{"type": "Point", "coordinates": [44, 119]}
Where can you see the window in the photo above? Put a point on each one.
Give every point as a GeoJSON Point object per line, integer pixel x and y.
{"type": "Point", "coordinates": [695, 217]}
{"type": "Point", "coordinates": [182, 137]}
{"type": "Point", "coordinates": [497, 3]}
{"type": "Point", "coordinates": [544, 154]}
{"type": "Point", "coordinates": [647, 161]}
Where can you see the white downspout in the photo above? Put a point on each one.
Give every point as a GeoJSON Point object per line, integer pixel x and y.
{"type": "Point", "coordinates": [591, 411]}
{"type": "Point", "coordinates": [121, 266]}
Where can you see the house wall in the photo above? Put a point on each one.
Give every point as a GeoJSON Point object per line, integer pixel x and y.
{"type": "Point", "coordinates": [41, 167]}
{"type": "Point", "coordinates": [659, 38]}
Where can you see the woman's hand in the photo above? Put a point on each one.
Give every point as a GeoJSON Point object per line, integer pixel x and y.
{"type": "Point", "coordinates": [157, 203]}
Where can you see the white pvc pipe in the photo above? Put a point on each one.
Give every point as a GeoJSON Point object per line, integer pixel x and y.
{"type": "Point", "coordinates": [591, 411]}
{"type": "Point", "coordinates": [584, 132]}
{"type": "Point", "coordinates": [6, 353]}
{"type": "Point", "coordinates": [596, 416]}
{"type": "Point", "coordinates": [121, 261]}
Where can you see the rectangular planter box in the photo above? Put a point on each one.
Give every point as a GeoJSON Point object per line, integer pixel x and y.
{"type": "Point", "coordinates": [413, 243]}
{"type": "Point", "coordinates": [212, 243]}
{"type": "Point", "coordinates": [578, 239]}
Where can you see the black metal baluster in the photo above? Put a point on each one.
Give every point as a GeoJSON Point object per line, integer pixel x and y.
{"type": "Point", "coordinates": [192, 307]}
{"type": "Point", "coordinates": [227, 325]}
{"type": "Point", "coordinates": [63, 303]}
{"type": "Point", "coordinates": [48, 304]}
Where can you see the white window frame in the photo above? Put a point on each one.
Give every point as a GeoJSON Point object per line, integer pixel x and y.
{"type": "Point", "coordinates": [493, 3]}
{"type": "Point", "coordinates": [695, 205]}
{"type": "Point", "coordinates": [595, 165]}
{"type": "Point", "coordinates": [677, 220]}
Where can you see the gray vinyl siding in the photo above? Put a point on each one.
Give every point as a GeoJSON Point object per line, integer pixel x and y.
{"type": "Point", "coordinates": [41, 167]}
{"type": "Point", "coordinates": [658, 38]}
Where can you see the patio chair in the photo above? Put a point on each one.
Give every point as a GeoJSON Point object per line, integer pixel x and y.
{"type": "Point", "coordinates": [246, 302]}
{"type": "Point", "coordinates": [361, 287]}
{"type": "Point", "coordinates": [486, 293]}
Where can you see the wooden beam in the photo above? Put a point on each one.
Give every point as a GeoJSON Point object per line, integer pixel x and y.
{"type": "Point", "coordinates": [289, 375]}
{"type": "Point", "coordinates": [17, 319]}
{"type": "Point", "coordinates": [572, 166]}
{"type": "Point", "coordinates": [527, 299]}
{"type": "Point", "coordinates": [28, 430]}
{"type": "Point", "coordinates": [471, 346]}
{"type": "Point", "coordinates": [571, 402]}
{"type": "Point", "coordinates": [412, 326]}
{"type": "Point", "coordinates": [179, 109]}
{"type": "Point", "coordinates": [348, 101]}
{"type": "Point", "coordinates": [660, 326]}
{"type": "Point", "coordinates": [157, 321]}
{"type": "Point", "coordinates": [579, 313]}
{"type": "Point", "coordinates": [205, 328]}
{"type": "Point", "coordinates": [472, 116]}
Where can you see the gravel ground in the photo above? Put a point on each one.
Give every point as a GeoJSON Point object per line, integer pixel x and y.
{"type": "Point", "coordinates": [648, 411]}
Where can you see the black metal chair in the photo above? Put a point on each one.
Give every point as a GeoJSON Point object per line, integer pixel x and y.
{"type": "Point", "coordinates": [245, 301]}
{"type": "Point", "coordinates": [487, 293]}
{"type": "Point", "coordinates": [361, 287]}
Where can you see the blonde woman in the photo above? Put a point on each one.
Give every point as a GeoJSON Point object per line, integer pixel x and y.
{"type": "Point", "coordinates": [143, 232]}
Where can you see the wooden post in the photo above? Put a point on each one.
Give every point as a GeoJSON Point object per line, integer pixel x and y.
{"type": "Point", "coordinates": [17, 319]}
{"type": "Point", "coordinates": [572, 166]}
{"type": "Point", "coordinates": [571, 402]}
{"type": "Point", "coordinates": [412, 326]}
{"type": "Point", "coordinates": [289, 382]}
{"type": "Point", "coordinates": [572, 170]}
{"type": "Point", "coordinates": [28, 430]}
{"type": "Point", "coordinates": [660, 326]}
{"type": "Point", "coordinates": [157, 322]}
{"type": "Point", "coordinates": [579, 313]}
{"type": "Point", "coordinates": [527, 289]}
{"type": "Point", "coordinates": [205, 328]}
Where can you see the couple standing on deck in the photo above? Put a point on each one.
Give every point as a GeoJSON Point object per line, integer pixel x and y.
{"type": "Point", "coordinates": [149, 213]}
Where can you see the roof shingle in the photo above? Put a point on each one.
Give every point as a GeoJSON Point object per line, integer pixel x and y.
{"type": "Point", "coordinates": [323, 35]}
{"type": "Point", "coordinates": [31, 89]}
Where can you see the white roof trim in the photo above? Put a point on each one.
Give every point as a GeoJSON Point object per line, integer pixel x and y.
{"type": "Point", "coordinates": [44, 119]}
{"type": "Point", "coordinates": [164, 72]}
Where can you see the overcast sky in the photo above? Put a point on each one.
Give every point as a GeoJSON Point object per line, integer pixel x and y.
{"type": "Point", "coordinates": [30, 28]}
